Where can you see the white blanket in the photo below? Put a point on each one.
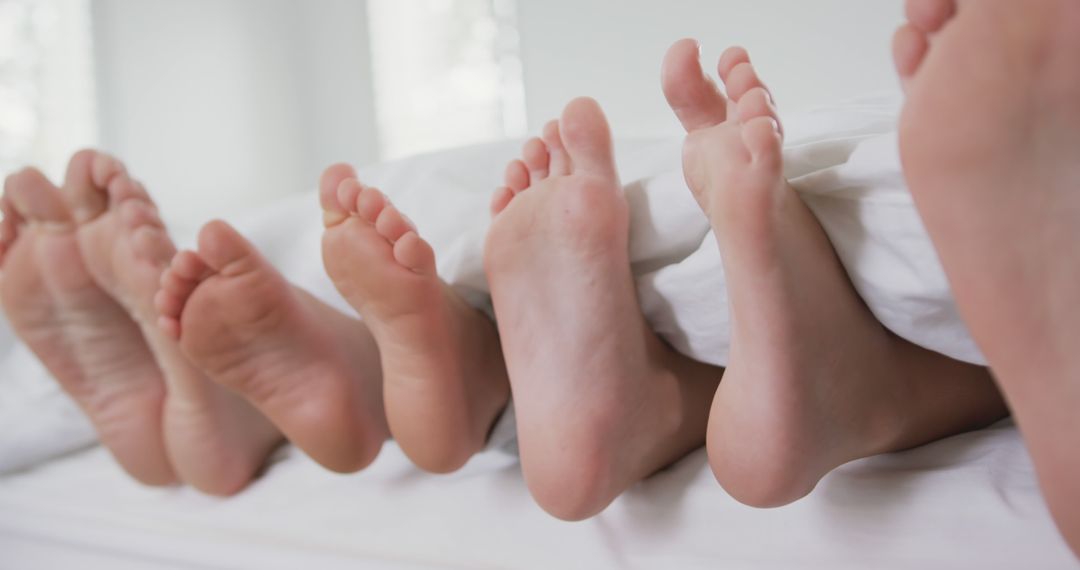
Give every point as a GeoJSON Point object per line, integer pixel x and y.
{"type": "Point", "coordinates": [842, 159]}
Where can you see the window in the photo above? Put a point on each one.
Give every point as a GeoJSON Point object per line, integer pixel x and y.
{"type": "Point", "coordinates": [446, 73]}
{"type": "Point", "coordinates": [46, 83]}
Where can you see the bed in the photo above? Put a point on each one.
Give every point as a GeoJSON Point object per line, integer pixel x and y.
{"type": "Point", "coordinates": [970, 501]}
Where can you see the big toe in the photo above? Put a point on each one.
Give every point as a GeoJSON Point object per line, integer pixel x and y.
{"type": "Point", "coordinates": [694, 97]}
{"type": "Point", "coordinates": [587, 137]}
{"type": "Point", "coordinates": [334, 211]}
{"type": "Point", "coordinates": [225, 250]}
{"type": "Point", "coordinates": [930, 16]}
{"type": "Point", "coordinates": [35, 199]}
{"type": "Point", "coordinates": [89, 173]}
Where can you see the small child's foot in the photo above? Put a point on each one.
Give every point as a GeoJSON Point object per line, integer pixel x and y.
{"type": "Point", "coordinates": [601, 401]}
{"type": "Point", "coordinates": [444, 379]}
{"type": "Point", "coordinates": [990, 141]}
{"type": "Point", "coordinates": [311, 371]}
{"type": "Point", "coordinates": [216, 441]}
{"type": "Point", "coordinates": [812, 374]}
{"type": "Point", "coordinates": [85, 339]}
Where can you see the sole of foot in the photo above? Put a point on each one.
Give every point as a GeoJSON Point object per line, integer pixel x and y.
{"type": "Point", "coordinates": [310, 370]}
{"type": "Point", "coordinates": [804, 345]}
{"type": "Point", "coordinates": [85, 339]}
{"type": "Point", "coordinates": [601, 402]}
{"type": "Point", "coordinates": [989, 137]}
{"type": "Point", "coordinates": [444, 380]}
{"type": "Point", "coordinates": [216, 441]}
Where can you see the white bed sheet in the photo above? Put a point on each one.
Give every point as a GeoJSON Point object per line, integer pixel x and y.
{"type": "Point", "coordinates": [967, 502]}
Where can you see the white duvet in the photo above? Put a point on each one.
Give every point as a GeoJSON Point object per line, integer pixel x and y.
{"type": "Point", "coordinates": [966, 502]}
{"type": "Point", "coordinates": [842, 159]}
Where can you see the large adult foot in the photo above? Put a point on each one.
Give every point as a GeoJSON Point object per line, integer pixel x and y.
{"type": "Point", "coordinates": [216, 441]}
{"type": "Point", "coordinates": [990, 139]}
{"type": "Point", "coordinates": [812, 375]}
{"type": "Point", "coordinates": [309, 369]}
{"type": "Point", "coordinates": [85, 339]}
{"type": "Point", "coordinates": [444, 379]}
{"type": "Point", "coordinates": [601, 401]}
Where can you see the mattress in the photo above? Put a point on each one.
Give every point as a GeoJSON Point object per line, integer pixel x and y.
{"type": "Point", "coordinates": [967, 502]}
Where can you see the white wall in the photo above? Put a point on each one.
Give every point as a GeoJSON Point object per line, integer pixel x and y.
{"type": "Point", "coordinates": [220, 103]}
{"type": "Point", "coordinates": [216, 103]}
{"type": "Point", "coordinates": [809, 51]}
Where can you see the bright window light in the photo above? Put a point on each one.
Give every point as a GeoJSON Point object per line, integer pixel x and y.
{"type": "Point", "coordinates": [447, 73]}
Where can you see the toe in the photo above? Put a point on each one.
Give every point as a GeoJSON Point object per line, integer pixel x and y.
{"type": "Point", "coordinates": [930, 16]}
{"type": "Point", "coordinates": [910, 46]}
{"type": "Point", "coordinates": [348, 193]}
{"type": "Point", "coordinates": [537, 160]}
{"type": "Point", "coordinates": [587, 138]}
{"type": "Point", "coordinates": [10, 222]}
{"type": "Point", "coordinates": [152, 244]}
{"type": "Point", "coordinates": [370, 203]}
{"type": "Point", "coordinates": [226, 251]}
{"type": "Point", "coordinates": [88, 198]}
{"type": "Point", "coordinates": [413, 252]}
{"type": "Point", "coordinates": [392, 225]}
{"type": "Point", "coordinates": [334, 211]}
{"type": "Point", "coordinates": [732, 57]}
{"type": "Point", "coordinates": [517, 176]}
{"type": "Point", "coordinates": [742, 78]}
{"type": "Point", "coordinates": [500, 200]}
{"type": "Point", "coordinates": [560, 161]}
{"type": "Point", "coordinates": [36, 199]}
{"type": "Point", "coordinates": [762, 138]}
{"type": "Point", "coordinates": [122, 188]}
{"type": "Point", "coordinates": [186, 266]}
{"type": "Point", "coordinates": [137, 213]}
{"type": "Point", "coordinates": [757, 103]}
{"type": "Point", "coordinates": [693, 96]}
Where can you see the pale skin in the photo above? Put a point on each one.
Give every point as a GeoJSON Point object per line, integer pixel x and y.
{"type": "Point", "coordinates": [89, 280]}
{"type": "Point", "coordinates": [812, 373]}
{"type": "Point", "coordinates": [990, 140]}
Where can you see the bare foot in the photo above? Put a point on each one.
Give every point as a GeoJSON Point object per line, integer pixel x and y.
{"type": "Point", "coordinates": [444, 379]}
{"type": "Point", "coordinates": [311, 370]}
{"type": "Point", "coordinates": [812, 375]}
{"type": "Point", "coordinates": [601, 401]}
{"type": "Point", "coordinates": [87, 341]}
{"type": "Point", "coordinates": [216, 441]}
{"type": "Point", "coordinates": [990, 139]}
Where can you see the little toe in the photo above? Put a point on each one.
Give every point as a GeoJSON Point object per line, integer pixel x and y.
{"type": "Point", "coordinates": [537, 160]}
{"type": "Point", "coordinates": [413, 252]}
{"type": "Point", "coordinates": [587, 137]}
{"type": "Point", "coordinates": [517, 176]}
{"type": "Point", "coordinates": [392, 225]}
{"type": "Point", "coordinates": [762, 138]}
{"type": "Point", "coordinates": [560, 160]}
{"type": "Point", "coordinates": [742, 78]}
{"type": "Point", "coordinates": [694, 97]}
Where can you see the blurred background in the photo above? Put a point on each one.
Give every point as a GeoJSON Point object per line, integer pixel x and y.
{"type": "Point", "coordinates": [219, 105]}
